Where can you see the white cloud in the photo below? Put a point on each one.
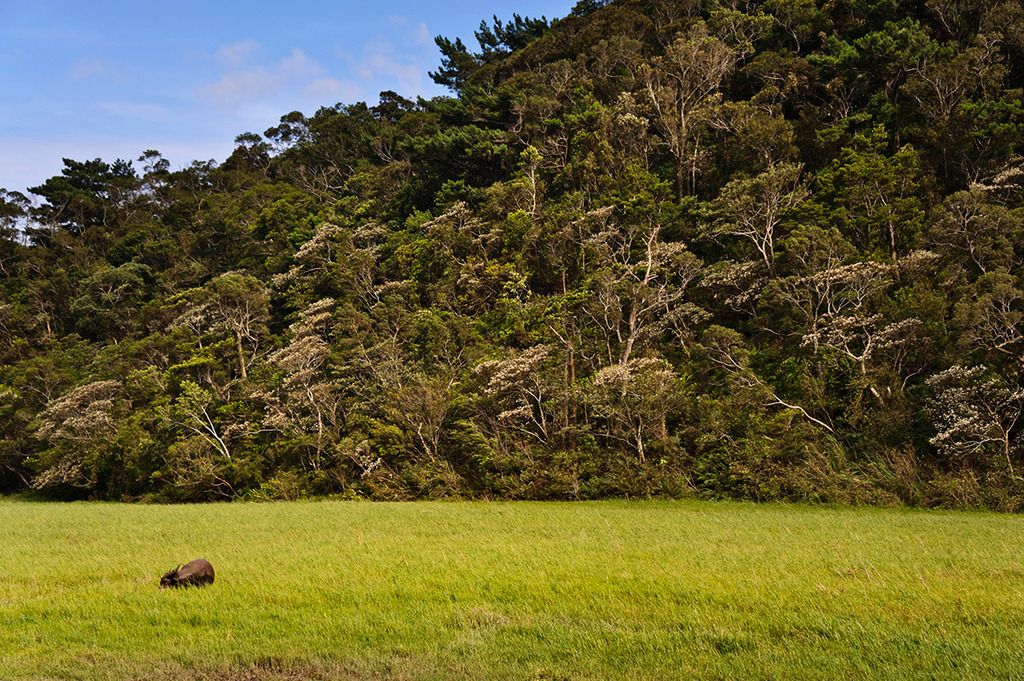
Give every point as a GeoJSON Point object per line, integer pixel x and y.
{"type": "Point", "coordinates": [252, 88]}
{"type": "Point", "coordinates": [297, 66]}
{"type": "Point", "coordinates": [247, 85]}
{"type": "Point", "coordinates": [423, 37]}
{"type": "Point", "coordinates": [380, 65]}
{"type": "Point", "coordinates": [238, 53]}
{"type": "Point", "coordinates": [380, 61]}
{"type": "Point", "coordinates": [236, 88]}
{"type": "Point", "coordinates": [85, 69]}
{"type": "Point", "coordinates": [332, 89]}
{"type": "Point", "coordinates": [419, 34]}
{"type": "Point", "coordinates": [144, 111]}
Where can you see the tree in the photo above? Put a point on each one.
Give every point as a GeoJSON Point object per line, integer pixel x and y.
{"type": "Point", "coordinates": [801, 20]}
{"type": "Point", "coordinates": [584, 7]}
{"type": "Point", "coordinates": [85, 194]}
{"type": "Point", "coordinates": [873, 198]}
{"type": "Point", "coordinates": [821, 280]}
{"type": "Point", "coordinates": [634, 398]}
{"type": "Point", "coordinates": [501, 38]}
{"type": "Point", "coordinates": [109, 299]}
{"type": "Point", "coordinates": [725, 349]}
{"type": "Point", "coordinates": [947, 84]}
{"type": "Point", "coordinates": [458, 64]}
{"type": "Point", "coordinates": [323, 264]}
{"type": "Point", "coordinates": [78, 426]}
{"type": "Point", "coordinates": [682, 88]}
{"type": "Point", "coordinates": [753, 209]}
{"type": "Point", "coordinates": [640, 287]}
{"type": "Point", "coordinates": [992, 319]}
{"type": "Point", "coordinates": [12, 456]}
{"type": "Point", "coordinates": [307, 404]}
{"type": "Point", "coordinates": [521, 392]}
{"type": "Point", "coordinates": [846, 321]}
{"type": "Point", "coordinates": [975, 412]}
{"type": "Point", "coordinates": [14, 209]}
{"type": "Point", "coordinates": [976, 230]}
{"type": "Point", "coordinates": [740, 30]}
{"type": "Point", "coordinates": [233, 302]}
{"type": "Point", "coordinates": [192, 412]}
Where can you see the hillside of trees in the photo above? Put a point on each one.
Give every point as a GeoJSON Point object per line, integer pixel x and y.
{"type": "Point", "coordinates": [763, 250]}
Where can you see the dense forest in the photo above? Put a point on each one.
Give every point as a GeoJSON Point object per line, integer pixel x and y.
{"type": "Point", "coordinates": [761, 250]}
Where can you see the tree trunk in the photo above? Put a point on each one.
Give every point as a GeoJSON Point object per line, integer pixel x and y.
{"type": "Point", "coordinates": [241, 355]}
{"type": "Point", "coordinates": [640, 441]}
{"type": "Point", "coordinates": [1006, 453]}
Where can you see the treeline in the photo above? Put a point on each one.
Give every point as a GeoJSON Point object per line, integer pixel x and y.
{"type": "Point", "coordinates": [766, 250]}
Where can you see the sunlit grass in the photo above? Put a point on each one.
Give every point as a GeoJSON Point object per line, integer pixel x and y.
{"type": "Point", "coordinates": [510, 590]}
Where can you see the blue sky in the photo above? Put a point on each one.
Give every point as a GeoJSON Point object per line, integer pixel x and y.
{"type": "Point", "coordinates": [111, 79]}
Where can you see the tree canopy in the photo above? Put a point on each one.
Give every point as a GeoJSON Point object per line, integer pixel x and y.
{"type": "Point", "coordinates": [766, 251]}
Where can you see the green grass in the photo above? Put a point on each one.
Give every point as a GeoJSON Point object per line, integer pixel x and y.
{"type": "Point", "coordinates": [510, 590]}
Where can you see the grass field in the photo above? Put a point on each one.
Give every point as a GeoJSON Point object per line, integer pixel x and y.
{"type": "Point", "coordinates": [632, 590]}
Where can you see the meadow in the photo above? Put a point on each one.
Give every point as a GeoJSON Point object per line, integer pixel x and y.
{"type": "Point", "coordinates": [478, 590]}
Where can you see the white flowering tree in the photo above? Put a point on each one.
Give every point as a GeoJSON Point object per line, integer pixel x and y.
{"type": "Point", "coordinates": [78, 426]}
{"type": "Point", "coordinates": [640, 291]}
{"type": "Point", "coordinates": [634, 399]}
{"type": "Point", "coordinates": [521, 391]}
{"type": "Point", "coordinates": [323, 263]}
{"type": "Point", "coordinates": [307, 404]}
{"type": "Point", "coordinates": [838, 304]}
{"type": "Point", "coordinates": [736, 285]}
{"type": "Point", "coordinates": [975, 413]}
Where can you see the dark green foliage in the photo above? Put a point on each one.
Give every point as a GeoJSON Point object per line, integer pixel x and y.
{"type": "Point", "coordinates": [653, 248]}
{"type": "Point", "coordinates": [85, 194]}
{"type": "Point", "coordinates": [496, 41]}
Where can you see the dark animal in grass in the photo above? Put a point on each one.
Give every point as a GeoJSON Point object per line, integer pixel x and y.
{"type": "Point", "coordinates": [199, 572]}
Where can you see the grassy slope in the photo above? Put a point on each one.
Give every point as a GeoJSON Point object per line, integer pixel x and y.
{"type": "Point", "coordinates": [503, 590]}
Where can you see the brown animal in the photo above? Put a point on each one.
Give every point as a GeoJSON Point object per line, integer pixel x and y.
{"type": "Point", "coordinates": [199, 572]}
